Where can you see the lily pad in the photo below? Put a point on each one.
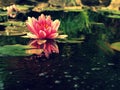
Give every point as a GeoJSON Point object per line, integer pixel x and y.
{"type": "Point", "coordinates": [115, 46]}
{"type": "Point", "coordinates": [24, 8]}
{"type": "Point", "coordinates": [14, 50]}
{"type": "Point", "coordinates": [69, 41]}
{"type": "Point", "coordinates": [114, 16]}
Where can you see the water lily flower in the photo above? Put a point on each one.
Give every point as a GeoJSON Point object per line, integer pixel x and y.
{"type": "Point", "coordinates": [43, 27]}
{"type": "Point", "coordinates": [12, 11]}
{"type": "Point", "coordinates": [43, 47]}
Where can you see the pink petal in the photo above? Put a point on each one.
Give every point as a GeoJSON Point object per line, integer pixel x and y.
{"type": "Point", "coordinates": [42, 16]}
{"type": "Point", "coordinates": [30, 20]}
{"type": "Point", "coordinates": [48, 20]}
{"type": "Point", "coordinates": [53, 31]}
{"type": "Point", "coordinates": [34, 21]}
{"type": "Point", "coordinates": [37, 27]}
{"type": "Point", "coordinates": [31, 25]}
{"type": "Point", "coordinates": [42, 34]}
{"type": "Point", "coordinates": [41, 19]}
{"type": "Point", "coordinates": [52, 36]}
{"type": "Point", "coordinates": [48, 31]}
{"type": "Point", "coordinates": [31, 28]}
{"type": "Point", "coordinates": [56, 25]}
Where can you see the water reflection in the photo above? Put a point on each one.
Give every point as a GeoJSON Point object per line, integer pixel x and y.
{"type": "Point", "coordinates": [43, 47]}
{"type": "Point", "coordinates": [3, 73]}
{"type": "Point", "coordinates": [1, 79]}
{"type": "Point", "coordinates": [76, 67]}
{"type": "Point", "coordinates": [86, 68]}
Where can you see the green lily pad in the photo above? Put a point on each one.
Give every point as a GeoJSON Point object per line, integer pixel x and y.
{"type": "Point", "coordinates": [115, 46]}
{"type": "Point", "coordinates": [69, 41]}
{"type": "Point", "coordinates": [14, 50]}
{"type": "Point", "coordinates": [114, 16]}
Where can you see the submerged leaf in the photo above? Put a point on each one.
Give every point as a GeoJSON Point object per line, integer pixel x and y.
{"type": "Point", "coordinates": [115, 46]}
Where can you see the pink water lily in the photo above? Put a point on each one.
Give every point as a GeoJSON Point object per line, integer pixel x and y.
{"type": "Point", "coordinates": [43, 27]}
{"type": "Point", "coordinates": [12, 11]}
{"type": "Point", "coordinates": [43, 47]}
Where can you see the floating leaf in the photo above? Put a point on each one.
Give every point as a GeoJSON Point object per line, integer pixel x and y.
{"type": "Point", "coordinates": [115, 46]}
{"type": "Point", "coordinates": [14, 50]}
{"type": "Point", "coordinates": [114, 16]}
{"type": "Point", "coordinates": [69, 41]}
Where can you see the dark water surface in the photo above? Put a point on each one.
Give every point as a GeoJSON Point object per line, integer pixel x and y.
{"type": "Point", "coordinates": [78, 67]}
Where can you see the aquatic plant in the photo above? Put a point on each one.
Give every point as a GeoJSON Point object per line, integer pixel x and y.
{"type": "Point", "coordinates": [12, 11]}
{"type": "Point", "coordinates": [73, 25]}
{"type": "Point", "coordinates": [43, 28]}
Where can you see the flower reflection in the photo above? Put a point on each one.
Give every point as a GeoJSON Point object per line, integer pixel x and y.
{"type": "Point", "coordinates": [43, 47]}
{"type": "Point", "coordinates": [12, 11]}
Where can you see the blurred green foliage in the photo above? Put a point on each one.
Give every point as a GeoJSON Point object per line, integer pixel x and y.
{"type": "Point", "coordinates": [3, 15]}
{"type": "Point", "coordinates": [74, 25]}
{"type": "Point", "coordinates": [11, 40]}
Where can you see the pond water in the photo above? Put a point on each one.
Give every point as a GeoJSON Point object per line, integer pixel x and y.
{"type": "Point", "coordinates": [88, 59]}
{"type": "Point", "coordinates": [78, 66]}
